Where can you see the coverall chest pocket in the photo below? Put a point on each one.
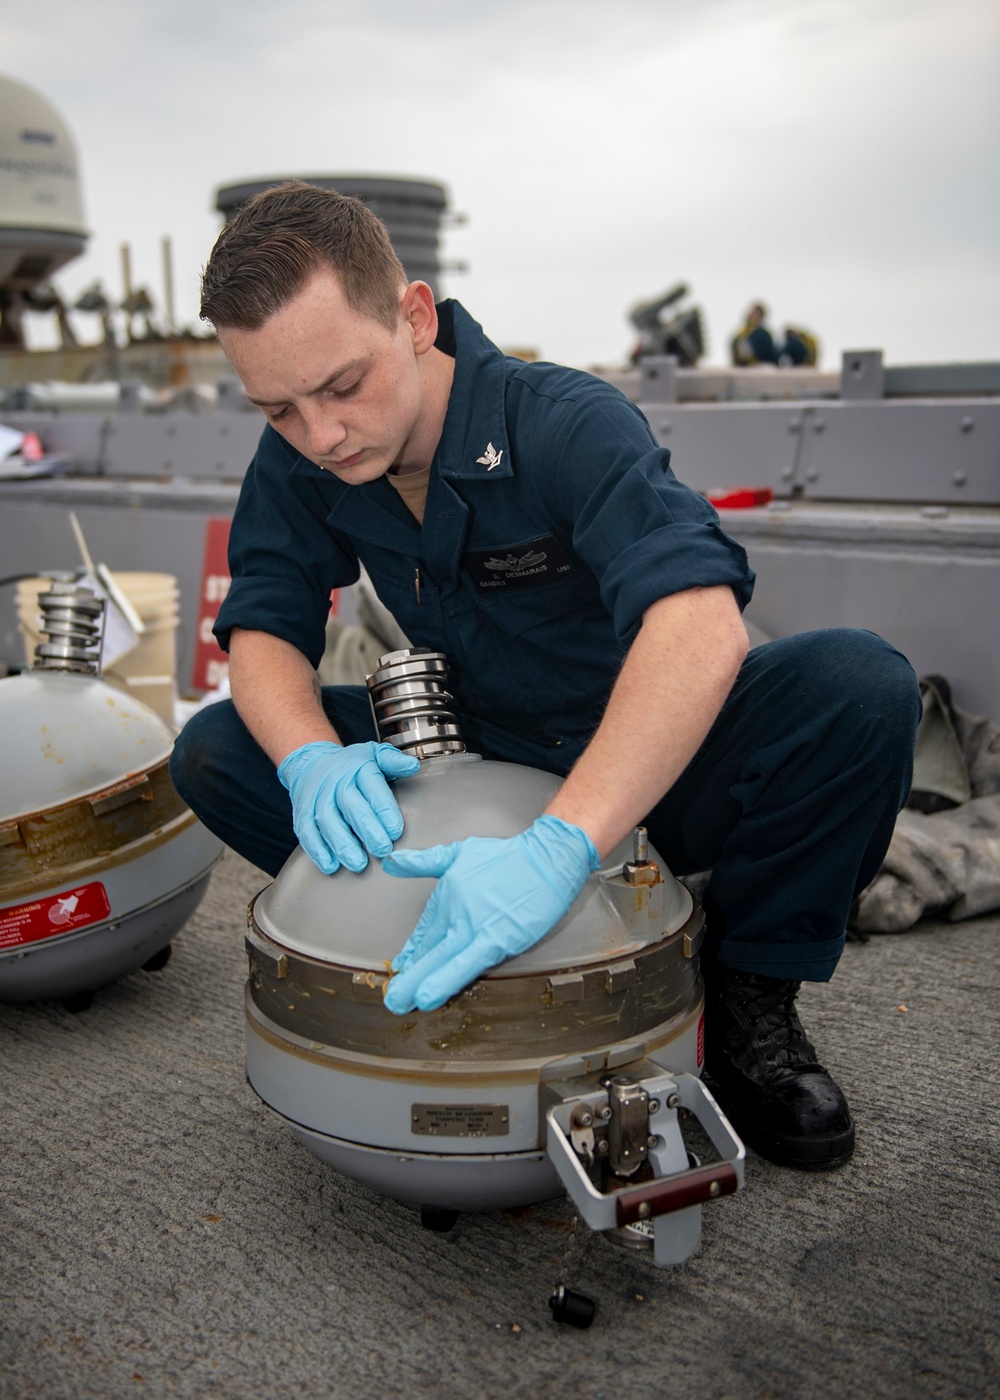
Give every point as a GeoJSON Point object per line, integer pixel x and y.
{"type": "Point", "coordinates": [520, 609]}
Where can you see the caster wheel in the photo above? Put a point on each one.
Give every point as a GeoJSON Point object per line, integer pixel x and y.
{"type": "Point", "coordinates": [158, 960]}
{"type": "Point", "coordinates": [438, 1218]}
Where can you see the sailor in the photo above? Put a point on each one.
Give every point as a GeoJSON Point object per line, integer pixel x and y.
{"type": "Point", "coordinates": [753, 343]}
{"type": "Point", "coordinates": [522, 519]}
{"type": "Point", "coordinates": [800, 348]}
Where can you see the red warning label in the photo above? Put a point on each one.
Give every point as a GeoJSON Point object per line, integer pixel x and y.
{"type": "Point", "coordinates": [701, 1041]}
{"type": "Point", "coordinates": [55, 914]}
{"type": "Point", "coordinates": [211, 664]}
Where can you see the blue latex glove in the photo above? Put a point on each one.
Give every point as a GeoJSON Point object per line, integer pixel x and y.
{"type": "Point", "coordinates": [341, 802]}
{"type": "Point", "coordinates": [494, 899]}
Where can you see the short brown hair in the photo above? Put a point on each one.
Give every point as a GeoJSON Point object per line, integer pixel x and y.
{"type": "Point", "coordinates": [277, 240]}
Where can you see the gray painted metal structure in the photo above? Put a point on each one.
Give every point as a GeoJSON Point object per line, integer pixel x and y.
{"type": "Point", "coordinates": [886, 510]}
{"type": "Point", "coordinates": [928, 582]}
{"type": "Point", "coordinates": [937, 440]}
{"type": "Point", "coordinates": [886, 484]}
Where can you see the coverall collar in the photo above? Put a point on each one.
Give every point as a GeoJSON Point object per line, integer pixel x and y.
{"type": "Point", "coordinates": [474, 444]}
{"type": "Point", "coordinates": [473, 447]}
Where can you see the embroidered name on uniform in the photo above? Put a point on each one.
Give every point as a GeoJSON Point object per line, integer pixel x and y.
{"type": "Point", "coordinates": [490, 458]}
{"type": "Point", "coordinates": [521, 565]}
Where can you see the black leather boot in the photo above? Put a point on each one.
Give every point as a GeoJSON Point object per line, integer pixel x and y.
{"type": "Point", "coordinates": [764, 1073]}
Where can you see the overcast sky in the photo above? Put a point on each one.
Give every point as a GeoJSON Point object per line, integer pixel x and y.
{"type": "Point", "coordinates": [836, 158]}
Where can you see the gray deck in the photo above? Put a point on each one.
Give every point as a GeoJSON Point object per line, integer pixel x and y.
{"type": "Point", "coordinates": [163, 1235]}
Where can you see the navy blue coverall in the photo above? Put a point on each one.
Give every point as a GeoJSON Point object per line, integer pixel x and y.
{"type": "Point", "coordinates": [553, 521]}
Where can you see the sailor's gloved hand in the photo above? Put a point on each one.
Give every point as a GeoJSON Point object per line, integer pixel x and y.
{"type": "Point", "coordinates": [341, 802]}
{"type": "Point", "coordinates": [494, 899]}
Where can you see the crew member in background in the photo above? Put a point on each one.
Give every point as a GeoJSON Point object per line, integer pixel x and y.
{"type": "Point", "coordinates": [753, 343]}
{"type": "Point", "coordinates": [399, 438]}
{"type": "Point", "coordinates": [800, 348]}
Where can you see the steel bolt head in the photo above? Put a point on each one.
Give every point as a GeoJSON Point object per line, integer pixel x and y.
{"type": "Point", "coordinates": [645, 1210]}
{"type": "Point", "coordinates": [673, 1100]}
{"type": "Point", "coordinates": [654, 1105]}
{"type": "Point", "coordinates": [604, 1112]}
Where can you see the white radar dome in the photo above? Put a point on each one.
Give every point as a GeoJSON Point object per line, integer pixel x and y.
{"type": "Point", "coordinates": [41, 208]}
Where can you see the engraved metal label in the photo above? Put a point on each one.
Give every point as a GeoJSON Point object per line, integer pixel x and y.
{"type": "Point", "coordinates": [472, 1120]}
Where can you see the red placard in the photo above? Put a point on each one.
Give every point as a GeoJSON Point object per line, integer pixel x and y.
{"type": "Point", "coordinates": [701, 1041]}
{"type": "Point", "coordinates": [211, 665]}
{"type": "Point", "coordinates": [53, 915]}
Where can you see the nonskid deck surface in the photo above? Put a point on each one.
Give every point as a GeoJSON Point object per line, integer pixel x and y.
{"type": "Point", "coordinates": [162, 1232]}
